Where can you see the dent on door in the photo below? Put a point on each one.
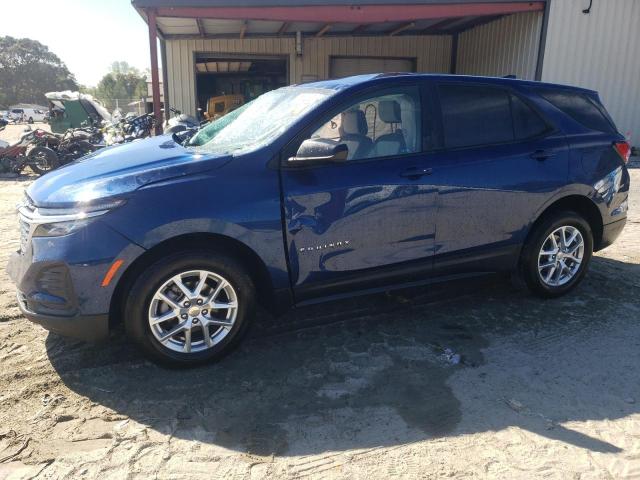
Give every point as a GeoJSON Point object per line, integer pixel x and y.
{"type": "Point", "coordinates": [355, 227]}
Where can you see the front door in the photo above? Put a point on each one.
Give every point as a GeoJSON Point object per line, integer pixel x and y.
{"type": "Point", "coordinates": [357, 222]}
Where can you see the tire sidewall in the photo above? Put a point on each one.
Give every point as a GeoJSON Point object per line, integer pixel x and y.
{"type": "Point", "coordinates": [532, 250]}
{"type": "Point", "coordinates": [138, 301]}
{"type": "Point", "coordinates": [52, 158]}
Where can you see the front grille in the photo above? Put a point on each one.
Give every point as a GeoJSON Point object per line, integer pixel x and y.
{"type": "Point", "coordinates": [24, 235]}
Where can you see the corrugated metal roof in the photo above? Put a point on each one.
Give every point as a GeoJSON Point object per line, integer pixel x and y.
{"type": "Point", "coordinates": [253, 18]}
{"type": "Point", "coordinates": [300, 3]}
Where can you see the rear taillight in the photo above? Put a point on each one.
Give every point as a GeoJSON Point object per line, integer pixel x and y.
{"type": "Point", "coordinates": [623, 149]}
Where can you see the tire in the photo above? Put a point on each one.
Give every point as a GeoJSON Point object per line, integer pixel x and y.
{"type": "Point", "coordinates": [30, 119]}
{"type": "Point", "coordinates": [78, 149]}
{"type": "Point", "coordinates": [142, 303]}
{"type": "Point", "coordinates": [42, 160]}
{"type": "Point", "coordinates": [533, 257]}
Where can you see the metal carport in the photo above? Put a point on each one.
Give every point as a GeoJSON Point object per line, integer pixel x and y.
{"type": "Point", "coordinates": [312, 32]}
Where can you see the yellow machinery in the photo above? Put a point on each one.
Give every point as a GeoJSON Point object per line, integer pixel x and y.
{"type": "Point", "coordinates": [221, 105]}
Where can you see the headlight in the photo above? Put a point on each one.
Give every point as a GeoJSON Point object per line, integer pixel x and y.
{"type": "Point", "coordinates": [55, 222]}
{"type": "Point", "coordinates": [59, 229]}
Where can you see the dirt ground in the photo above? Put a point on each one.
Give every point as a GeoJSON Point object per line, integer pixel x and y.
{"type": "Point", "coordinates": [359, 389]}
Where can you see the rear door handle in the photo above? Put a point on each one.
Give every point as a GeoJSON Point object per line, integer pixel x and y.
{"type": "Point", "coordinates": [541, 155]}
{"type": "Point", "coordinates": [414, 173]}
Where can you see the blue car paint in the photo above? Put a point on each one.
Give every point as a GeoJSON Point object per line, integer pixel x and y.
{"type": "Point", "coordinates": [324, 229]}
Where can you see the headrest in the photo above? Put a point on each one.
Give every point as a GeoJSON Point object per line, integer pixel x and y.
{"type": "Point", "coordinates": [389, 111]}
{"type": "Point", "coordinates": [353, 123]}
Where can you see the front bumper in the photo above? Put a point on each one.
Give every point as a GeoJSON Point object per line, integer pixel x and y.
{"type": "Point", "coordinates": [60, 279]}
{"type": "Point", "coordinates": [83, 327]}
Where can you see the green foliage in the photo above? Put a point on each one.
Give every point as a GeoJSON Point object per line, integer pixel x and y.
{"type": "Point", "coordinates": [28, 70]}
{"type": "Point", "coordinates": [124, 82]}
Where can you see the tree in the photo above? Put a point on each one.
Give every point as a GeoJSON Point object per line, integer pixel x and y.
{"type": "Point", "coordinates": [124, 67]}
{"type": "Point", "coordinates": [28, 70]}
{"type": "Point", "coordinates": [123, 82]}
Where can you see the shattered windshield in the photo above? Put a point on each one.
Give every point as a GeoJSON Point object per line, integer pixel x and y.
{"type": "Point", "coordinates": [259, 122]}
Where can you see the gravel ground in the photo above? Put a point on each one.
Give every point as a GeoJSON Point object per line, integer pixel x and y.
{"type": "Point", "coordinates": [367, 388]}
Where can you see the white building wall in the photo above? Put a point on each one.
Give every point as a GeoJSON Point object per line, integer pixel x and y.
{"type": "Point", "coordinates": [601, 51]}
{"type": "Point", "coordinates": [508, 46]}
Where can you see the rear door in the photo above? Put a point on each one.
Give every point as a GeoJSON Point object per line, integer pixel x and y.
{"type": "Point", "coordinates": [499, 162]}
{"type": "Point", "coordinates": [361, 221]}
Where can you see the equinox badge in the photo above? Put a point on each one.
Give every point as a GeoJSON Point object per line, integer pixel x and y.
{"type": "Point", "coordinates": [326, 246]}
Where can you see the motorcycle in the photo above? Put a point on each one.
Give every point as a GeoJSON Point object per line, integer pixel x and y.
{"type": "Point", "coordinates": [181, 122]}
{"type": "Point", "coordinates": [138, 127]}
{"type": "Point", "coordinates": [67, 147]}
{"type": "Point", "coordinates": [128, 129]}
{"type": "Point", "coordinates": [14, 158]}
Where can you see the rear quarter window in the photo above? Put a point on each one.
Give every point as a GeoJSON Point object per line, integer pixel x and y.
{"type": "Point", "coordinates": [581, 108]}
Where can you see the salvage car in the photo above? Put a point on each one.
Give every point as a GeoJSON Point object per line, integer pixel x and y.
{"type": "Point", "coordinates": [320, 191]}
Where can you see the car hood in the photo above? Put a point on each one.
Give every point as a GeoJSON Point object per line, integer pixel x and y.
{"type": "Point", "coordinates": [118, 170]}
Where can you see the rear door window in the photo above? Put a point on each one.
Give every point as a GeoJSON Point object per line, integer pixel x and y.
{"type": "Point", "coordinates": [478, 115]}
{"type": "Point", "coordinates": [475, 116]}
{"type": "Point", "coordinates": [581, 108]}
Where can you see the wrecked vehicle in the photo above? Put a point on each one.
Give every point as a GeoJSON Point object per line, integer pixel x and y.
{"type": "Point", "coordinates": [319, 191]}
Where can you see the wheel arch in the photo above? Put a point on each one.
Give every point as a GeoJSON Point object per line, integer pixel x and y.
{"type": "Point", "coordinates": [580, 204]}
{"type": "Point", "coordinates": [207, 241]}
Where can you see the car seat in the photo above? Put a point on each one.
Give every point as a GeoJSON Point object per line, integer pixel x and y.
{"type": "Point", "coordinates": [393, 143]}
{"type": "Point", "coordinates": [353, 132]}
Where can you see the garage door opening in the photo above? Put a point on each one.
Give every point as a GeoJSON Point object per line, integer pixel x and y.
{"type": "Point", "coordinates": [224, 83]}
{"type": "Point", "coordinates": [346, 66]}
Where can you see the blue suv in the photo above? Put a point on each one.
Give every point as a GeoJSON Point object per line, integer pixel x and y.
{"type": "Point", "coordinates": [318, 191]}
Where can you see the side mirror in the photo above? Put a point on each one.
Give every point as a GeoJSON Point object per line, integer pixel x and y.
{"type": "Point", "coordinates": [320, 150]}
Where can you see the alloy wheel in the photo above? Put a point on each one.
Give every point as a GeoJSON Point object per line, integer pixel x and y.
{"type": "Point", "coordinates": [193, 311]}
{"type": "Point", "coordinates": [560, 256]}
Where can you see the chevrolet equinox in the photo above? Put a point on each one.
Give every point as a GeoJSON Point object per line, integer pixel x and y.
{"type": "Point", "coordinates": [317, 191]}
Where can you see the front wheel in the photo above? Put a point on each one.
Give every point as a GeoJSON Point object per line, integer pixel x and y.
{"type": "Point", "coordinates": [557, 254]}
{"type": "Point", "coordinates": [190, 308]}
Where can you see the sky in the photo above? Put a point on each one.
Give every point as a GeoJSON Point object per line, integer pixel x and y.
{"type": "Point", "coordinates": [87, 35]}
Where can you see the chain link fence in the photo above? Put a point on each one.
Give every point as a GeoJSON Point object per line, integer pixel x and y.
{"type": "Point", "coordinates": [137, 106]}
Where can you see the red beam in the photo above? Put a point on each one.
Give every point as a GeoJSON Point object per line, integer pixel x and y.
{"type": "Point", "coordinates": [351, 13]}
{"type": "Point", "coordinates": [155, 77]}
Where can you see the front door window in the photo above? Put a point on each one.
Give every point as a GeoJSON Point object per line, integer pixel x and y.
{"type": "Point", "coordinates": [381, 126]}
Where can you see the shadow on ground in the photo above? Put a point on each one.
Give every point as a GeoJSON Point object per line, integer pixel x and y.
{"type": "Point", "coordinates": [374, 371]}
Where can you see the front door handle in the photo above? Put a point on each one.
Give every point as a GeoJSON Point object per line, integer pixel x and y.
{"type": "Point", "coordinates": [414, 173]}
{"type": "Point", "coordinates": [541, 155]}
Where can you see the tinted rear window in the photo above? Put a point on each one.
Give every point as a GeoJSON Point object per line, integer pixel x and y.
{"type": "Point", "coordinates": [474, 116]}
{"type": "Point", "coordinates": [581, 108]}
{"type": "Point", "coordinates": [526, 122]}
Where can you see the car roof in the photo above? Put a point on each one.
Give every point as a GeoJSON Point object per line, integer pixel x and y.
{"type": "Point", "coordinates": [382, 78]}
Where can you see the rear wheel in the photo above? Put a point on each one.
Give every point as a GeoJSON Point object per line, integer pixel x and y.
{"type": "Point", "coordinates": [43, 160]}
{"type": "Point", "coordinates": [557, 254]}
{"type": "Point", "coordinates": [190, 308]}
